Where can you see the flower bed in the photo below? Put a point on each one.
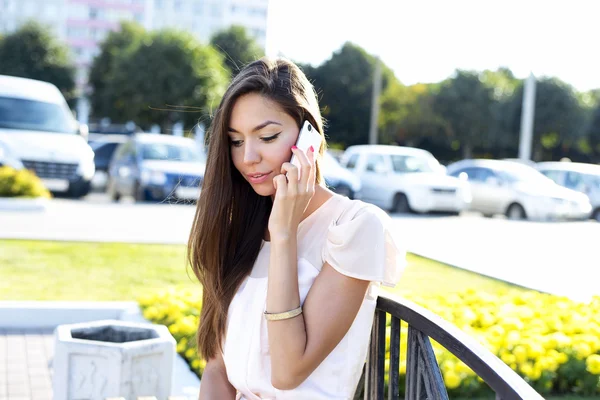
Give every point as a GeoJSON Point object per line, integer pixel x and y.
{"type": "Point", "coordinates": [551, 341]}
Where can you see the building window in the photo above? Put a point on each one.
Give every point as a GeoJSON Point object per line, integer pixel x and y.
{"type": "Point", "coordinates": [215, 10]}
{"type": "Point", "coordinates": [159, 4]}
{"type": "Point", "coordinates": [178, 5]}
{"type": "Point", "coordinates": [93, 13]}
{"type": "Point", "coordinates": [198, 6]}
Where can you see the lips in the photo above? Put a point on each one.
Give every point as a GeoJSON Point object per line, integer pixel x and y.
{"type": "Point", "coordinates": [258, 177]}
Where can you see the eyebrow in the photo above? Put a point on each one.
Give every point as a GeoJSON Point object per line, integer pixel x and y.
{"type": "Point", "coordinates": [258, 127]}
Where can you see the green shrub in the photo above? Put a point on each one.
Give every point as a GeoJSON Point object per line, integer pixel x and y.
{"type": "Point", "coordinates": [21, 183]}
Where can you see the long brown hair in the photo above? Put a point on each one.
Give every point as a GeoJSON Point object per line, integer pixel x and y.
{"type": "Point", "coordinates": [231, 218]}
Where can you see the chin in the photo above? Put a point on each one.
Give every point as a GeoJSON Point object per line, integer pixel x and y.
{"type": "Point", "coordinates": [264, 189]}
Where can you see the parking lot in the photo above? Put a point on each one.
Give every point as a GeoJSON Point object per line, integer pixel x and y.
{"type": "Point", "coordinates": [557, 257]}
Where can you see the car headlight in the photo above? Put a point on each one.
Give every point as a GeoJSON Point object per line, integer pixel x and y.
{"type": "Point", "coordinates": [154, 177]}
{"type": "Point", "coordinates": [86, 168]}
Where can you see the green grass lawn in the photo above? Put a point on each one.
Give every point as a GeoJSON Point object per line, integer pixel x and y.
{"type": "Point", "coordinates": [42, 270]}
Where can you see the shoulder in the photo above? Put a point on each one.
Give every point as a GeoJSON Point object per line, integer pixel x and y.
{"type": "Point", "coordinates": [361, 214]}
{"type": "Point", "coordinates": [360, 244]}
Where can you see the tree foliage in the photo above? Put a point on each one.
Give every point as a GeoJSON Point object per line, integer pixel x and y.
{"type": "Point", "coordinates": [345, 83]}
{"type": "Point", "coordinates": [464, 102]}
{"type": "Point", "coordinates": [117, 44]}
{"type": "Point", "coordinates": [166, 77]}
{"type": "Point", "coordinates": [558, 120]}
{"type": "Point", "coordinates": [237, 47]}
{"type": "Point", "coordinates": [34, 52]}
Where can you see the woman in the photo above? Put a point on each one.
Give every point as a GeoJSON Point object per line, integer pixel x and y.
{"type": "Point", "coordinates": [290, 270]}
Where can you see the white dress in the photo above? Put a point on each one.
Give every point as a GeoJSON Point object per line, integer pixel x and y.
{"type": "Point", "coordinates": [355, 239]}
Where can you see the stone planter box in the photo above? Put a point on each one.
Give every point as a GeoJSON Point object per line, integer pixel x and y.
{"type": "Point", "coordinates": [111, 358]}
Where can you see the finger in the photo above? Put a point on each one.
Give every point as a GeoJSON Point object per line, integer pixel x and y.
{"type": "Point", "coordinates": [290, 171]}
{"type": "Point", "coordinates": [280, 184]}
{"type": "Point", "coordinates": [305, 167]}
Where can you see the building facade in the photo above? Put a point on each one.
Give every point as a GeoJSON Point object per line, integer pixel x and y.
{"type": "Point", "coordinates": [84, 24]}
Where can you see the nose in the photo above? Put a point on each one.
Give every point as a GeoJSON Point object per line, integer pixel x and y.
{"type": "Point", "coordinates": [251, 153]}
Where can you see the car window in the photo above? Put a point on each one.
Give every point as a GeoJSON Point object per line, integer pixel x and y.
{"type": "Point", "coordinates": [104, 151]}
{"type": "Point", "coordinates": [467, 173]}
{"type": "Point", "coordinates": [22, 114]}
{"type": "Point", "coordinates": [351, 163]}
{"type": "Point", "coordinates": [575, 181]}
{"type": "Point", "coordinates": [169, 151]}
{"type": "Point", "coordinates": [552, 174]}
{"type": "Point", "coordinates": [484, 174]}
{"type": "Point", "coordinates": [408, 164]}
{"type": "Point", "coordinates": [123, 150]}
{"type": "Point", "coordinates": [374, 160]}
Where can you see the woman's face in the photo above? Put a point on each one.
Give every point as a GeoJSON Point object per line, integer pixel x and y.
{"type": "Point", "coordinates": [261, 136]}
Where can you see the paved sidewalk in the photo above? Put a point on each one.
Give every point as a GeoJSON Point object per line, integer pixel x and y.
{"type": "Point", "coordinates": [25, 364]}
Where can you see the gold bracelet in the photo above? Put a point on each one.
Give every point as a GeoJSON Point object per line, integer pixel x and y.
{"type": "Point", "coordinates": [283, 315]}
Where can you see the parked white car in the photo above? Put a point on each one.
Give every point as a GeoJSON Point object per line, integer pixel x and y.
{"type": "Point", "coordinates": [518, 191]}
{"type": "Point", "coordinates": [584, 178]}
{"type": "Point", "coordinates": [403, 179]}
{"type": "Point", "coordinates": [38, 129]}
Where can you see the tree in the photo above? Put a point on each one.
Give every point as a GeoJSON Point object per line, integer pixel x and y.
{"type": "Point", "coordinates": [593, 133]}
{"type": "Point", "coordinates": [406, 116]}
{"type": "Point", "coordinates": [237, 47]}
{"type": "Point", "coordinates": [344, 84]}
{"type": "Point", "coordinates": [558, 120]}
{"type": "Point", "coordinates": [502, 140]}
{"type": "Point", "coordinates": [464, 101]}
{"type": "Point", "coordinates": [170, 77]}
{"type": "Point", "coordinates": [117, 44]}
{"type": "Point", "coordinates": [34, 52]}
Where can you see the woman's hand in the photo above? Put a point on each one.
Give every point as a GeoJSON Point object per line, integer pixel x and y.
{"type": "Point", "coordinates": [292, 194]}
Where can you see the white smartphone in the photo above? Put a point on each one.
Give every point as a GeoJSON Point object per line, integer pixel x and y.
{"type": "Point", "coordinates": [307, 137]}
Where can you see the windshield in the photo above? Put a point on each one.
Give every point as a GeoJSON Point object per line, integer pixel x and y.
{"type": "Point", "coordinates": [406, 164]}
{"type": "Point", "coordinates": [523, 173]}
{"type": "Point", "coordinates": [33, 115]}
{"type": "Point", "coordinates": [171, 152]}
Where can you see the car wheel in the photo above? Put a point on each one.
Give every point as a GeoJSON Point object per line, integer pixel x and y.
{"type": "Point", "coordinates": [596, 214]}
{"type": "Point", "coordinates": [111, 189]}
{"type": "Point", "coordinates": [401, 204]}
{"type": "Point", "coordinates": [516, 212]}
{"type": "Point", "coordinates": [139, 193]}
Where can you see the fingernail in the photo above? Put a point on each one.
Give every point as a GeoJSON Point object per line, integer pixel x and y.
{"type": "Point", "coordinates": [311, 149]}
{"type": "Point", "coordinates": [294, 147]}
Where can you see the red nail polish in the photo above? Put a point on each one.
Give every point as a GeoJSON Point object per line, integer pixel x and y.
{"type": "Point", "coordinates": [294, 147]}
{"type": "Point", "coordinates": [311, 149]}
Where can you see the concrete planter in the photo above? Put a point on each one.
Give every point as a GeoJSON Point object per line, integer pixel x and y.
{"type": "Point", "coordinates": [111, 358]}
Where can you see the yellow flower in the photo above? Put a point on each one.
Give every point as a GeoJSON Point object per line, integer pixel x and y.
{"type": "Point", "coordinates": [451, 379]}
{"type": "Point", "coordinates": [592, 364]}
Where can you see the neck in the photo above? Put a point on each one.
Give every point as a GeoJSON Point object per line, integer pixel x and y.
{"type": "Point", "coordinates": [321, 195]}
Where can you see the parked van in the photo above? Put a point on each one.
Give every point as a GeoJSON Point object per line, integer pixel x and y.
{"type": "Point", "coordinates": [38, 129]}
{"type": "Point", "coordinates": [403, 179]}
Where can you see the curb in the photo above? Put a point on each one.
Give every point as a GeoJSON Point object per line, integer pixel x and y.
{"type": "Point", "coordinates": [50, 314]}
{"type": "Point", "coordinates": [23, 204]}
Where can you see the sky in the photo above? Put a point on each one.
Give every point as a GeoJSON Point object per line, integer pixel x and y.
{"type": "Point", "coordinates": [427, 40]}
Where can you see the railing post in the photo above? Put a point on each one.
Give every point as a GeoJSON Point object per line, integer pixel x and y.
{"type": "Point", "coordinates": [374, 382]}
{"type": "Point", "coordinates": [394, 373]}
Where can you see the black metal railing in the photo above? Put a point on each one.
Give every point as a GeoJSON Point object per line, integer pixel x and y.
{"type": "Point", "coordinates": [423, 376]}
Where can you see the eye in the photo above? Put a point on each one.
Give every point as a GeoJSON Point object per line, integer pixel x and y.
{"type": "Point", "coordinates": [236, 143]}
{"type": "Point", "coordinates": [271, 138]}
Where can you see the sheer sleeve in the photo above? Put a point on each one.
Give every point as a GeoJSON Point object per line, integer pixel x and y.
{"type": "Point", "coordinates": [360, 245]}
